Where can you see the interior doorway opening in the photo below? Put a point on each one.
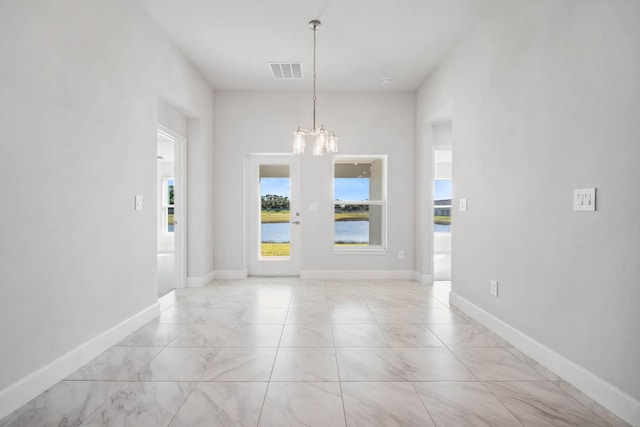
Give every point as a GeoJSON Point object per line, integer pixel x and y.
{"type": "Point", "coordinates": [170, 210]}
{"type": "Point", "coordinates": [442, 190]}
{"type": "Point", "coordinates": [442, 197]}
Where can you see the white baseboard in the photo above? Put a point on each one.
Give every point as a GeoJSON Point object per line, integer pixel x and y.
{"type": "Point", "coordinates": [425, 279]}
{"type": "Point", "coordinates": [22, 391]}
{"type": "Point", "coordinates": [196, 282]}
{"type": "Point", "coordinates": [617, 401]}
{"type": "Point", "coordinates": [231, 274]}
{"type": "Point", "coordinates": [357, 274]}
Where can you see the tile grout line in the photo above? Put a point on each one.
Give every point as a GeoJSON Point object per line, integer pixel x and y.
{"type": "Point", "coordinates": [423, 404]}
{"type": "Point", "coordinates": [501, 402]}
{"type": "Point", "coordinates": [410, 382]}
{"type": "Point", "coordinates": [335, 352]}
{"type": "Point", "coordinates": [183, 403]}
{"type": "Point", "coordinates": [266, 392]}
{"type": "Point", "coordinates": [124, 383]}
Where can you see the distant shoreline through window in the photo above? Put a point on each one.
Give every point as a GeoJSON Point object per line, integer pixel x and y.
{"type": "Point", "coordinates": [359, 202]}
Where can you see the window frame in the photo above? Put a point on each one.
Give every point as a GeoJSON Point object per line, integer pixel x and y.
{"type": "Point", "coordinates": [369, 249]}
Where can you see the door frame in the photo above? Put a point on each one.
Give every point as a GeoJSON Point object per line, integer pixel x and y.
{"type": "Point", "coordinates": [254, 264]}
{"type": "Point", "coordinates": [180, 203]}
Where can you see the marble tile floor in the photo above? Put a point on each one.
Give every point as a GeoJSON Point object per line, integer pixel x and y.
{"type": "Point", "coordinates": [290, 352]}
{"type": "Point", "coordinates": [166, 273]}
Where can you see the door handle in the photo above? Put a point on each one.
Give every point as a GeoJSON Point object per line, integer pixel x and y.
{"type": "Point", "coordinates": [295, 222]}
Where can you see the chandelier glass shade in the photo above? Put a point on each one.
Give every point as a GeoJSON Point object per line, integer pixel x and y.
{"type": "Point", "coordinates": [324, 140]}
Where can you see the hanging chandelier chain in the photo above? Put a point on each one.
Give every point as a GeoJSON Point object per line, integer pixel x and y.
{"type": "Point", "coordinates": [314, 76]}
{"type": "Point", "coordinates": [324, 140]}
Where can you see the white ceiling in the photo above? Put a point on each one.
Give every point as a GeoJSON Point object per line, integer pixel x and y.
{"type": "Point", "coordinates": [360, 42]}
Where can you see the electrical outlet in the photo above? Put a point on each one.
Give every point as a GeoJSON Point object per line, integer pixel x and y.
{"type": "Point", "coordinates": [400, 254]}
{"type": "Point", "coordinates": [493, 288]}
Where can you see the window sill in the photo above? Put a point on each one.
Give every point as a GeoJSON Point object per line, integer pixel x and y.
{"type": "Point", "coordinates": [274, 258]}
{"type": "Point", "coordinates": [360, 251]}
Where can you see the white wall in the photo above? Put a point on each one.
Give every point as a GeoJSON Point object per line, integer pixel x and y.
{"type": "Point", "coordinates": [546, 98]}
{"type": "Point", "coordinates": [366, 123]}
{"type": "Point", "coordinates": [81, 81]}
{"type": "Point", "coordinates": [172, 119]}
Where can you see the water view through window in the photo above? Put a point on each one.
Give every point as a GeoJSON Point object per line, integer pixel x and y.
{"type": "Point", "coordinates": [275, 225]}
{"type": "Point", "coordinates": [358, 202]}
{"type": "Point", "coordinates": [351, 221]}
{"type": "Point", "coordinates": [359, 206]}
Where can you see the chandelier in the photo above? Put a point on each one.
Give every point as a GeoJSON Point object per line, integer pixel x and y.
{"type": "Point", "coordinates": [324, 140]}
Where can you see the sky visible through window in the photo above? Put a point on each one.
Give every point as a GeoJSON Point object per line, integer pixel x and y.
{"type": "Point", "coordinates": [275, 186]}
{"type": "Point", "coordinates": [442, 189]}
{"type": "Point", "coordinates": [351, 188]}
{"type": "Point", "coordinates": [345, 188]}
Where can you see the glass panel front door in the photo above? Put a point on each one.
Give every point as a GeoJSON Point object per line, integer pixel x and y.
{"type": "Point", "coordinates": [275, 213]}
{"type": "Point", "coordinates": [274, 223]}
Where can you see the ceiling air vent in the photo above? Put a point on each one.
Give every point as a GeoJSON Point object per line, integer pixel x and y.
{"type": "Point", "coordinates": [286, 70]}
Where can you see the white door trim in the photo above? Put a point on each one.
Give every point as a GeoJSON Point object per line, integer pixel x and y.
{"type": "Point", "coordinates": [254, 264]}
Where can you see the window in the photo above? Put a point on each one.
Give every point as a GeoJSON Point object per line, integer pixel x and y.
{"type": "Point", "coordinates": [359, 203]}
{"type": "Point", "coordinates": [442, 206]}
{"type": "Point", "coordinates": [168, 205]}
{"type": "Point", "coordinates": [275, 218]}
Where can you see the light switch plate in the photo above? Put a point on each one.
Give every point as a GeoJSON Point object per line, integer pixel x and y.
{"type": "Point", "coordinates": [584, 199]}
{"type": "Point", "coordinates": [463, 205]}
{"type": "Point", "coordinates": [138, 203]}
{"type": "Point", "coordinates": [493, 288]}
